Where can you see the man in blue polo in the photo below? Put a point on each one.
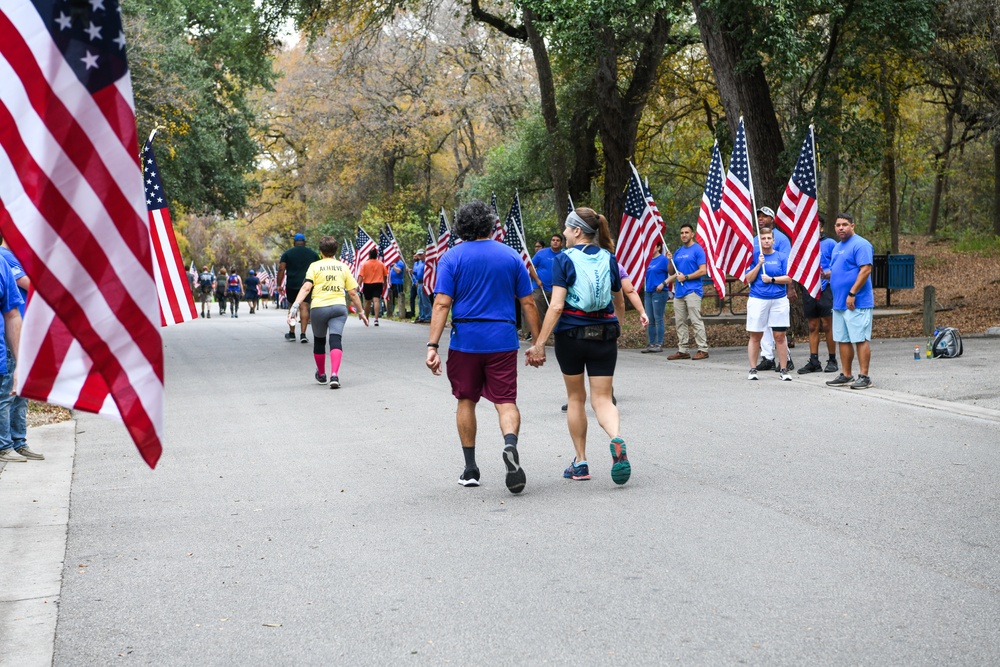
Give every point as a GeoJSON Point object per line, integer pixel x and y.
{"type": "Point", "coordinates": [689, 266]}
{"type": "Point", "coordinates": [853, 303]}
{"type": "Point", "coordinates": [543, 268]}
{"type": "Point", "coordinates": [10, 333]}
{"type": "Point", "coordinates": [397, 277]}
{"type": "Point", "coordinates": [820, 311]}
{"type": "Point", "coordinates": [765, 219]}
{"type": "Point", "coordinates": [480, 282]}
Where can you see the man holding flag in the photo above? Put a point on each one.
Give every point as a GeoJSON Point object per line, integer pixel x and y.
{"type": "Point", "coordinates": [689, 266]}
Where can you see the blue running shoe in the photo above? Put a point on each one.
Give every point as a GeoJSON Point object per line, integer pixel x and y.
{"type": "Point", "coordinates": [577, 471]}
{"type": "Point", "coordinates": [621, 469]}
{"type": "Point", "coordinates": [515, 473]}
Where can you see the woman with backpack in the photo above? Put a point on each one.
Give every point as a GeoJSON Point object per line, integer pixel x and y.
{"type": "Point", "coordinates": [585, 280]}
{"type": "Point", "coordinates": [234, 290]}
{"type": "Point", "coordinates": [221, 284]}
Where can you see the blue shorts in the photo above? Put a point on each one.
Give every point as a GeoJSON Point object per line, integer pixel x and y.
{"type": "Point", "coordinates": [852, 326]}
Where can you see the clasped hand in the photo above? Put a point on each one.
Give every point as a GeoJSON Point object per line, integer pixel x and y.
{"type": "Point", "coordinates": [535, 356]}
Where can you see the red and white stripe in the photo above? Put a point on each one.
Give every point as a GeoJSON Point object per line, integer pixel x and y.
{"type": "Point", "coordinates": [638, 234]}
{"type": "Point", "coordinates": [172, 287]}
{"type": "Point", "coordinates": [737, 216]}
{"type": "Point", "coordinates": [430, 262]}
{"type": "Point", "coordinates": [798, 217]}
{"type": "Point", "coordinates": [73, 210]}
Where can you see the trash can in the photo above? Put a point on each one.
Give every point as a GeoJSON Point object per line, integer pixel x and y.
{"type": "Point", "coordinates": [900, 271]}
{"type": "Point", "coordinates": [880, 271]}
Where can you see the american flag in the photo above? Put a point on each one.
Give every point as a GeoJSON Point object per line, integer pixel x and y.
{"type": "Point", "coordinates": [364, 245]}
{"type": "Point", "coordinates": [444, 236]}
{"type": "Point", "coordinates": [798, 217]}
{"type": "Point", "coordinates": [709, 224]}
{"type": "Point", "coordinates": [73, 210]}
{"type": "Point", "coordinates": [570, 208]}
{"type": "Point", "coordinates": [430, 261]}
{"type": "Point", "coordinates": [499, 231]}
{"type": "Point", "coordinates": [385, 250]}
{"type": "Point", "coordinates": [347, 256]}
{"type": "Point", "coordinates": [172, 286]}
{"type": "Point", "coordinates": [734, 250]}
{"type": "Point", "coordinates": [514, 236]}
{"type": "Point", "coordinates": [394, 253]}
{"type": "Point", "coordinates": [641, 226]}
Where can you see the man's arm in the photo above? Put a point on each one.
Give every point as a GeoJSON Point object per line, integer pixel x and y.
{"type": "Point", "coordinates": [281, 273]}
{"type": "Point", "coordinates": [12, 332]}
{"type": "Point", "coordinates": [24, 282]}
{"type": "Point", "coordinates": [863, 272]}
{"type": "Point", "coordinates": [439, 315]}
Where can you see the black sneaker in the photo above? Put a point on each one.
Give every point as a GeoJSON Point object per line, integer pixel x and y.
{"type": "Point", "coordinates": [766, 364]}
{"type": "Point", "coordinates": [334, 382]}
{"type": "Point", "coordinates": [470, 477]}
{"type": "Point", "coordinates": [812, 367]}
{"type": "Point", "coordinates": [515, 473]}
{"type": "Point", "coordinates": [320, 377]}
{"type": "Point", "coordinates": [565, 407]}
{"type": "Point", "coordinates": [302, 338]}
{"type": "Point", "coordinates": [831, 366]}
{"type": "Point", "coordinates": [863, 382]}
{"type": "Point", "coordinates": [290, 336]}
{"type": "Point", "coordinates": [791, 365]}
{"type": "Point", "coordinates": [841, 381]}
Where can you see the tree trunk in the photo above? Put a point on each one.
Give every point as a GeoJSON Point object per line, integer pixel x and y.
{"type": "Point", "coordinates": [547, 91]}
{"type": "Point", "coordinates": [996, 186]}
{"type": "Point", "coordinates": [941, 163]}
{"type": "Point", "coordinates": [745, 91]}
{"type": "Point", "coordinates": [585, 164]}
{"type": "Point", "coordinates": [832, 159]}
{"type": "Point", "coordinates": [389, 174]}
{"type": "Point", "coordinates": [888, 206]}
{"type": "Point", "coordinates": [620, 114]}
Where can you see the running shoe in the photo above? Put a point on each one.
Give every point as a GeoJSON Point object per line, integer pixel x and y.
{"type": "Point", "coordinates": [785, 375]}
{"type": "Point", "coordinates": [320, 377]}
{"type": "Point", "coordinates": [831, 366]}
{"type": "Point", "coordinates": [303, 339]}
{"type": "Point", "coordinates": [470, 477]}
{"type": "Point", "coordinates": [791, 364]}
{"type": "Point", "coordinates": [515, 473]}
{"type": "Point", "coordinates": [290, 336]}
{"type": "Point", "coordinates": [376, 321]}
{"type": "Point", "coordinates": [577, 471]}
{"type": "Point", "coordinates": [841, 381]}
{"type": "Point", "coordinates": [621, 469]}
{"type": "Point", "coordinates": [863, 382]}
{"type": "Point", "coordinates": [334, 382]}
{"type": "Point", "coordinates": [565, 407]}
{"type": "Point", "coordinates": [765, 364]}
{"type": "Point", "coordinates": [812, 366]}
{"type": "Point", "coordinates": [752, 375]}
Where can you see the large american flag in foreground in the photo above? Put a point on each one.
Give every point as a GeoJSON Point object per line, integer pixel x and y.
{"type": "Point", "coordinates": [709, 224]}
{"type": "Point", "coordinates": [798, 217]}
{"type": "Point", "coordinates": [735, 242]}
{"type": "Point", "coordinates": [72, 207]}
{"type": "Point", "coordinates": [176, 302]}
{"type": "Point", "coordinates": [641, 226]}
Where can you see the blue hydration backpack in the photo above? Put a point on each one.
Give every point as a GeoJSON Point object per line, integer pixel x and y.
{"type": "Point", "coordinates": [591, 292]}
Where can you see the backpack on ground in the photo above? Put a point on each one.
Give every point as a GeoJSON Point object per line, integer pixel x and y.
{"type": "Point", "coordinates": [591, 292]}
{"type": "Point", "coordinates": [947, 343]}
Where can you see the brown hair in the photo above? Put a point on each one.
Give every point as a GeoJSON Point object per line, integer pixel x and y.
{"type": "Point", "coordinates": [328, 246]}
{"type": "Point", "coordinates": [600, 223]}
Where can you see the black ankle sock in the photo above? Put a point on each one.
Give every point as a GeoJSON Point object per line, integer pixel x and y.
{"type": "Point", "coordinates": [510, 440]}
{"type": "Point", "coordinates": [833, 357]}
{"type": "Point", "coordinates": [814, 357]}
{"type": "Point", "coordinates": [470, 457]}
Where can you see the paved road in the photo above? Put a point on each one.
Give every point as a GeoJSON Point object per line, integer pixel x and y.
{"type": "Point", "coordinates": [765, 523]}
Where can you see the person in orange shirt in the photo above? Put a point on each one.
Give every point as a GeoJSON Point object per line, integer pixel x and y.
{"type": "Point", "coordinates": [372, 276]}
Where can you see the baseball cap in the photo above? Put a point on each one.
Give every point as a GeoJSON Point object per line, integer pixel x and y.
{"type": "Point", "coordinates": [421, 251]}
{"type": "Point", "coordinates": [766, 211]}
{"type": "Point", "coordinates": [300, 237]}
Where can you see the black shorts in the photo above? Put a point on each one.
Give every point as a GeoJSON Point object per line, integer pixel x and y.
{"type": "Point", "coordinates": [817, 308]}
{"type": "Point", "coordinates": [372, 290]}
{"type": "Point", "coordinates": [597, 357]}
{"type": "Point", "coordinates": [290, 294]}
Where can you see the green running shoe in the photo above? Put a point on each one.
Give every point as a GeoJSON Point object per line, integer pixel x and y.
{"type": "Point", "coordinates": [621, 470]}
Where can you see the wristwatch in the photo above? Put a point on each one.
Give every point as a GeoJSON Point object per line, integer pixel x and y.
{"type": "Point", "coordinates": [851, 294]}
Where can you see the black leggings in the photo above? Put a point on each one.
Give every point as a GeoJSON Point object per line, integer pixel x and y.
{"type": "Point", "coordinates": [234, 302]}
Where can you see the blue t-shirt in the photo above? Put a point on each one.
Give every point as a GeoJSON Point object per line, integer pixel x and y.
{"type": "Point", "coordinates": [848, 258]}
{"type": "Point", "coordinates": [418, 271]}
{"type": "Point", "coordinates": [250, 285]}
{"type": "Point", "coordinates": [18, 271]}
{"type": "Point", "coordinates": [484, 279]}
{"type": "Point", "coordinates": [826, 246]}
{"type": "Point", "coordinates": [564, 275]}
{"type": "Point", "coordinates": [656, 272]}
{"type": "Point", "coordinates": [775, 264]}
{"type": "Point", "coordinates": [543, 266]}
{"type": "Point", "coordinates": [397, 278]}
{"type": "Point", "coordinates": [687, 261]}
{"type": "Point", "coordinates": [10, 298]}
{"type": "Point", "coordinates": [781, 243]}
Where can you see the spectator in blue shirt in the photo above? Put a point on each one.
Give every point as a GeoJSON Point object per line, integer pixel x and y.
{"type": "Point", "coordinates": [655, 297]}
{"type": "Point", "coordinates": [424, 299]}
{"type": "Point", "coordinates": [820, 311]}
{"type": "Point", "coordinates": [765, 219]}
{"type": "Point", "coordinates": [690, 265]}
{"type": "Point", "coordinates": [10, 333]}
{"type": "Point", "coordinates": [853, 302]}
{"type": "Point", "coordinates": [542, 262]}
{"type": "Point", "coordinates": [397, 277]}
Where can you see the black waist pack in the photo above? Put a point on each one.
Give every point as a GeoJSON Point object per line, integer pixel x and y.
{"type": "Point", "coordinates": [607, 331]}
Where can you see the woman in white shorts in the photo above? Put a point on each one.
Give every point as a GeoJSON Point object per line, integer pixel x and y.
{"type": "Point", "coordinates": [767, 306]}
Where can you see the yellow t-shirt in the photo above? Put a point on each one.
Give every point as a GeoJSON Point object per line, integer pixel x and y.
{"type": "Point", "coordinates": [331, 278]}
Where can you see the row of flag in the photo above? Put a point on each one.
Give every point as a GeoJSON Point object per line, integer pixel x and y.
{"type": "Point", "coordinates": [727, 219]}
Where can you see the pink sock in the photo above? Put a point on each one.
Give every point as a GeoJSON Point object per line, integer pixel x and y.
{"type": "Point", "coordinates": [320, 363]}
{"type": "Point", "coordinates": [335, 357]}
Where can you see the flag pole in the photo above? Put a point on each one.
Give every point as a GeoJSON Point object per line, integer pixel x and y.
{"type": "Point", "coordinates": [520, 236]}
{"type": "Point", "coordinates": [753, 198]}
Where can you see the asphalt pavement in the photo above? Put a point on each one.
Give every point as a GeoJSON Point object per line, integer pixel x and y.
{"type": "Point", "coordinates": [765, 523]}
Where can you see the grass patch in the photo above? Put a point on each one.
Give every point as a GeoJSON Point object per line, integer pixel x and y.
{"type": "Point", "coordinates": [980, 243]}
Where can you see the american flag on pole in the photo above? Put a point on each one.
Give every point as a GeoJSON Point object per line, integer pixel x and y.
{"type": "Point", "coordinates": [444, 236]}
{"type": "Point", "coordinates": [641, 226]}
{"type": "Point", "coordinates": [386, 251]}
{"type": "Point", "coordinates": [430, 261]}
{"type": "Point", "coordinates": [709, 224]}
{"type": "Point", "coordinates": [798, 217]}
{"type": "Point", "coordinates": [347, 256]}
{"type": "Point", "coordinates": [734, 250]}
{"type": "Point", "coordinates": [499, 230]}
{"type": "Point", "coordinates": [74, 212]}
{"type": "Point", "coordinates": [364, 245]}
{"type": "Point", "coordinates": [570, 208]}
{"type": "Point", "coordinates": [172, 286]}
{"type": "Point", "coordinates": [394, 253]}
{"type": "Point", "coordinates": [514, 236]}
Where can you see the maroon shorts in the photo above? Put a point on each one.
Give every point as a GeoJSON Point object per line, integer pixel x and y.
{"type": "Point", "coordinates": [491, 374]}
